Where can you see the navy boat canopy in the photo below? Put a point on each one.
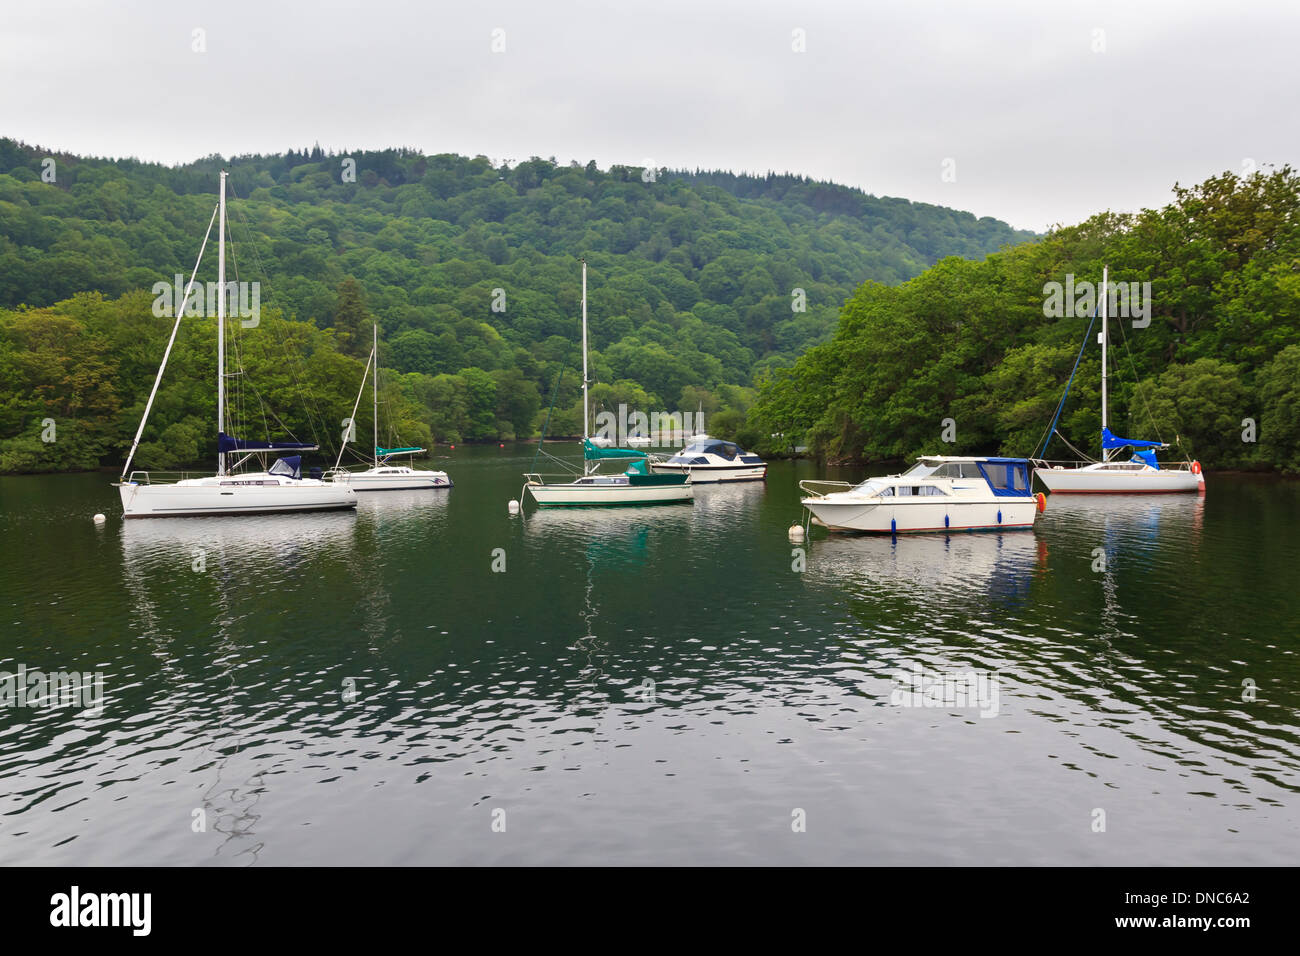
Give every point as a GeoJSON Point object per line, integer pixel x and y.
{"type": "Point", "coordinates": [226, 444]}
{"type": "Point", "coordinates": [1110, 440]}
{"type": "Point", "coordinates": [290, 466]}
{"type": "Point", "coordinates": [1006, 477]}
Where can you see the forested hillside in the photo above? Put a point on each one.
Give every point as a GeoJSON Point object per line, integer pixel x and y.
{"type": "Point", "coordinates": [1219, 362]}
{"type": "Point", "coordinates": [700, 283]}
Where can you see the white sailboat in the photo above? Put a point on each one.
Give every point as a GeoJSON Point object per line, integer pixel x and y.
{"type": "Point", "coordinates": [280, 487]}
{"type": "Point", "coordinates": [635, 486]}
{"type": "Point", "coordinates": [381, 475]}
{"type": "Point", "coordinates": [1141, 473]}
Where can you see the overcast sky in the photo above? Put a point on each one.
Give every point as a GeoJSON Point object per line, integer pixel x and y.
{"type": "Point", "coordinates": [1048, 111]}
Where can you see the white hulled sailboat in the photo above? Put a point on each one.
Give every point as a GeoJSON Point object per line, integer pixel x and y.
{"type": "Point", "coordinates": [381, 475]}
{"type": "Point", "coordinates": [280, 487]}
{"type": "Point", "coordinates": [635, 486]}
{"type": "Point", "coordinates": [1141, 473]}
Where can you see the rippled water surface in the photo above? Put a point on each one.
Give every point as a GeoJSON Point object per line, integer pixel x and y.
{"type": "Point", "coordinates": [661, 685]}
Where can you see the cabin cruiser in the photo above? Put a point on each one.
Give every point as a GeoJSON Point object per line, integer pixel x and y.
{"type": "Point", "coordinates": [708, 459]}
{"type": "Point", "coordinates": [938, 493]}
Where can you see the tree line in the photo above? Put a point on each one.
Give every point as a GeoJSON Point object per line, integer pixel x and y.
{"type": "Point", "coordinates": [700, 284]}
{"type": "Point", "coordinates": [978, 351]}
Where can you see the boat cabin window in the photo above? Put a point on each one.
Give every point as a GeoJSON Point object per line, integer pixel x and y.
{"type": "Point", "coordinates": [958, 469]}
{"type": "Point", "coordinates": [920, 470]}
{"type": "Point", "coordinates": [919, 491]}
{"type": "Point", "coordinates": [724, 449]}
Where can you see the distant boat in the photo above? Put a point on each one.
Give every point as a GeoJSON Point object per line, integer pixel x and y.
{"type": "Point", "coordinates": [635, 486]}
{"type": "Point", "coordinates": [938, 493]}
{"type": "Point", "coordinates": [708, 459]}
{"type": "Point", "coordinates": [382, 476]}
{"type": "Point", "coordinates": [1140, 473]}
{"type": "Point", "coordinates": [279, 487]}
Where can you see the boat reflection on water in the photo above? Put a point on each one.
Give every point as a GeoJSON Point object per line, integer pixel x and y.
{"type": "Point", "coordinates": [252, 540]}
{"type": "Point", "coordinates": [234, 565]}
{"type": "Point", "coordinates": [925, 568]}
{"type": "Point", "coordinates": [1167, 517]}
{"type": "Point", "coordinates": [723, 504]}
{"type": "Point", "coordinates": [607, 531]}
{"type": "Point", "coordinates": [413, 513]}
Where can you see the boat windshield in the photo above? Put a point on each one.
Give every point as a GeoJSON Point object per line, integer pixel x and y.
{"type": "Point", "coordinates": [920, 470]}
{"type": "Point", "coordinates": [871, 486]}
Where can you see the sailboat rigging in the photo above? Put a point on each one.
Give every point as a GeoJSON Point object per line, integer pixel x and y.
{"type": "Point", "coordinates": [635, 486]}
{"type": "Point", "coordinates": [280, 487]}
{"type": "Point", "coordinates": [381, 475]}
{"type": "Point", "coordinates": [1141, 473]}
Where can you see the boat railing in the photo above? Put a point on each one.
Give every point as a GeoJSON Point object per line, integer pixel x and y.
{"type": "Point", "coordinates": [539, 478]}
{"type": "Point", "coordinates": [810, 486]}
{"type": "Point", "coordinates": [165, 477]}
{"type": "Point", "coordinates": [1058, 464]}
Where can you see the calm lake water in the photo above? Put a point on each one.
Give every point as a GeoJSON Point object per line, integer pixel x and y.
{"type": "Point", "coordinates": [650, 685]}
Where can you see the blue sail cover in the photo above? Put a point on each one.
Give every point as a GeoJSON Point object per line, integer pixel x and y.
{"type": "Point", "coordinates": [1147, 456]}
{"type": "Point", "coordinates": [1110, 440]}
{"type": "Point", "coordinates": [226, 444]}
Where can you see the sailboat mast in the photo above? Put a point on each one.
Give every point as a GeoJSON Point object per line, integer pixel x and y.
{"type": "Point", "coordinates": [221, 320]}
{"type": "Point", "coordinates": [1105, 454]}
{"type": "Point", "coordinates": [374, 328]}
{"type": "Point", "coordinates": [585, 431]}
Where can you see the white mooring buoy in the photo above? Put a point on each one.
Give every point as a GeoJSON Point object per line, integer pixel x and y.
{"type": "Point", "coordinates": [99, 519]}
{"type": "Point", "coordinates": [796, 532]}
{"type": "Point", "coordinates": [513, 507]}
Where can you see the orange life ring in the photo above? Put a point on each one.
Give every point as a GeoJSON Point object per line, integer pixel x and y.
{"type": "Point", "coordinates": [1042, 502]}
{"type": "Point", "coordinates": [1196, 468]}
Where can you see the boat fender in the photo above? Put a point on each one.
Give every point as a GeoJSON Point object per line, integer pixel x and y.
{"type": "Point", "coordinates": [1196, 468]}
{"type": "Point", "coordinates": [945, 521]}
{"type": "Point", "coordinates": [1042, 502]}
{"type": "Point", "coordinates": [999, 516]}
{"type": "Point", "coordinates": [893, 526]}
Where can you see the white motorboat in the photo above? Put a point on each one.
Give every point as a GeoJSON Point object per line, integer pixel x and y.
{"type": "Point", "coordinates": [938, 493]}
{"type": "Point", "coordinates": [1141, 473]}
{"type": "Point", "coordinates": [635, 486]}
{"type": "Point", "coordinates": [382, 475]}
{"type": "Point", "coordinates": [280, 487]}
{"type": "Point", "coordinates": [708, 459]}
